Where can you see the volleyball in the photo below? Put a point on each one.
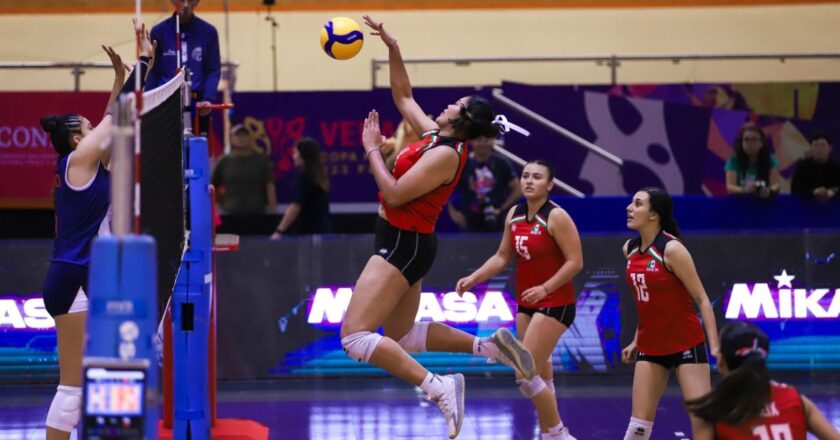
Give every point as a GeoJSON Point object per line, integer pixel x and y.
{"type": "Point", "coordinates": [342, 38]}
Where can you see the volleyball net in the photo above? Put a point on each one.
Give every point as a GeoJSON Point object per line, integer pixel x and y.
{"type": "Point", "coordinates": [163, 199]}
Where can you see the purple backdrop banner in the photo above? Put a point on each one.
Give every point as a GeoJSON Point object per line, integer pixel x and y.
{"type": "Point", "coordinates": [679, 146]}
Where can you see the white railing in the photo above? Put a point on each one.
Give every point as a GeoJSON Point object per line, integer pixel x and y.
{"type": "Point", "coordinates": [611, 61]}
{"type": "Point", "coordinates": [78, 69]}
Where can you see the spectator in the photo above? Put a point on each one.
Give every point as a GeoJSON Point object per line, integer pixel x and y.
{"type": "Point", "coordinates": [403, 136]}
{"type": "Point", "coordinates": [309, 212]}
{"type": "Point", "coordinates": [817, 176]}
{"type": "Point", "coordinates": [199, 52]}
{"type": "Point", "coordinates": [244, 178]}
{"type": "Point", "coordinates": [488, 188]}
{"type": "Point", "coordinates": [752, 169]}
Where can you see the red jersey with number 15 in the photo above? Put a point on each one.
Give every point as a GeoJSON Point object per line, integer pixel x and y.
{"type": "Point", "coordinates": [782, 418]}
{"type": "Point", "coordinates": [420, 214]}
{"type": "Point", "coordinates": [539, 256]}
{"type": "Point", "coordinates": [668, 323]}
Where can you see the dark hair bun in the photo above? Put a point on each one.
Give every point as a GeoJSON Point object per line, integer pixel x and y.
{"type": "Point", "coordinates": [50, 123]}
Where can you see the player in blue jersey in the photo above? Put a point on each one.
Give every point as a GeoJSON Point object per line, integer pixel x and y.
{"type": "Point", "coordinates": [82, 199]}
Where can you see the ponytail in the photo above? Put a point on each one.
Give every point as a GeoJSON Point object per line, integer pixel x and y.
{"type": "Point", "coordinates": [476, 119]}
{"type": "Point", "coordinates": [738, 397]}
{"type": "Point", "coordinates": [743, 393]}
{"type": "Point", "coordinates": [61, 129]}
{"type": "Point", "coordinates": [662, 204]}
{"type": "Point", "coordinates": [671, 226]}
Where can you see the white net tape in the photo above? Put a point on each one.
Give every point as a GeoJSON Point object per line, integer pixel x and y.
{"type": "Point", "coordinates": [156, 97]}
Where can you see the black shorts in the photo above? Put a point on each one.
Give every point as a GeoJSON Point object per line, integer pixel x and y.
{"type": "Point", "coordinates": [62, 285]}
{"type": "Point", "coordinates": [412, 253]}
{"type": "Point", "coordinates": [694, 355]}
{"type": "Point", "coordinates": [564, 314]}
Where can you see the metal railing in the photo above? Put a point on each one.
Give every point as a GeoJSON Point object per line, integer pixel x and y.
{"type": "Point", "coordinates": [78, 69]}
{"type": "Point", "coordinates": [611, 61]}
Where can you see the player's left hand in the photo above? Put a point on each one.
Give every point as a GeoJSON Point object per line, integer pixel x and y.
{"type": "Point", "coordinates": [372, 137]}
{"type": "Point", "coordinates": [534, 294]}
{"type": "Point", "coordinates": [379, 29]}
{"type": "Point", "coordinates": [116, 61]}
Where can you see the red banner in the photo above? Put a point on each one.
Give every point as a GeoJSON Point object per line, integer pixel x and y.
{"type": "Point", "coordinates": [27, 158]}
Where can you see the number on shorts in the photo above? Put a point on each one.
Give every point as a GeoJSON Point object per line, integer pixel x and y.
{"type": "Point", "coordinates": [640, 286]}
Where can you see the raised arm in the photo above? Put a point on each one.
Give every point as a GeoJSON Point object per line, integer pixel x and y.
{"type": "Point", "coordinates": [119, 75]}
{"type": "Point", "coordinates": [679, 261]}
{"type": "Point", "coordinates": [495, 264]}
{"type": "Point", "coordinates": [400, 84]}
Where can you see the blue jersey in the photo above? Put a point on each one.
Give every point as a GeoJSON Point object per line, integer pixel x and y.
{"type": "Point", "coordinates": [199, 52]}
{"type": "Point", "coordinates": [79, 213]}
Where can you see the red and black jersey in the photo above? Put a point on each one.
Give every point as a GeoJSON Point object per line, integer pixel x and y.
{"type": "Point", "coordinates": [539, 256]}
{"type": "Point", "coordinates": [420, 214]}
{"type": "Point", "coordinates": [782, 418]}
{"type": "Point", "coordinates": [667, 321]}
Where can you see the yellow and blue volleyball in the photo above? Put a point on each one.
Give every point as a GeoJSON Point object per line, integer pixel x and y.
{"type": "Point", "coordinates": [342, 38]}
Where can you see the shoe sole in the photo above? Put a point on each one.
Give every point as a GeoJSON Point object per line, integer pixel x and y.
{"type": "Point", "coordinates": [460, 388]}
{"type": "Point", "coordinates": [516, 352]}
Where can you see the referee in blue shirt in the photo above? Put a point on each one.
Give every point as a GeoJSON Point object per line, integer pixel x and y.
{"type": "Point", "coordinates": [199, 53]}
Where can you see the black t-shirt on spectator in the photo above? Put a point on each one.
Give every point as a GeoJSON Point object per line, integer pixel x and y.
{"type": "Point", "coordinates": [314, 217]}
{"type": "Point", "coordinates": [810, 175]}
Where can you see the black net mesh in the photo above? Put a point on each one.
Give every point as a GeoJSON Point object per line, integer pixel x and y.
{"type": "Point", "coordinates": [162, 213]}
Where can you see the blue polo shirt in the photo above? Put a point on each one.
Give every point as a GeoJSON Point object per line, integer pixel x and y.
{"type": "Point", "coordinates": [200, 53]}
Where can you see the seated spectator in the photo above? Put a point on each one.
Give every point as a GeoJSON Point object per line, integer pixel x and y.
{"type": "Point", "coordinates": [752, 169]}
{"type": "Point", "coordinates": [309, 212]}
{"type": "Point", "coordinates": [244, 178]}
{"type": "Point", "coordinates": [488, 188]}
{"type": "Point", "coordinates": [817, 175]}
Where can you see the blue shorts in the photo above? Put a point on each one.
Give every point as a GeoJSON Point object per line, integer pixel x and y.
{"type": "Point", "coordinates": [62, 285]}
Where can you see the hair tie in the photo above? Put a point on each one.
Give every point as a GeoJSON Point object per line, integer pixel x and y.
{"type": "Point", "coordinates": [506, 126]}
{"type": "Point", "coordinates": [750, 349]}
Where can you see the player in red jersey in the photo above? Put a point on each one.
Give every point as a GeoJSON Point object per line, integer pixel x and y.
{"type": "Point", "coordinates": [746, 404]}
{"type": "Point", "coordinates": [387, 293]}
{"type": "Point", "coordinates": [546, 244]}
{"type": "Point", "coordinates": [669, 335]}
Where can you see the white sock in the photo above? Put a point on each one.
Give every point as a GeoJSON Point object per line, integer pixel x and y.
{"type": "Point", "coordinates": [432, 385]}
{"type": "Point", "coordinates": [638, 429]}
{"type": "Point", "coordinates": [477, 346]}
{"type": "Point", "coordinates": [556, 430]}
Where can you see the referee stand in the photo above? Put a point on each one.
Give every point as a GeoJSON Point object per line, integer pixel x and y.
{"type": "Point", "coordinates": [189, 385]}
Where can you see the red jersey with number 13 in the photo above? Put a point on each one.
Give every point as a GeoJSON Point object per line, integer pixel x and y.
{"type": "Point", "coordinates": [782, 418]}
{"type": "Point", "coordinates": [668, 323]}
{"type": "Point", "coordinates": [539, 256]}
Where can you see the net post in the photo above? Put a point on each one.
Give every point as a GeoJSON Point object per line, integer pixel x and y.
{"type": "Point", "coordinates": [122, 167]}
